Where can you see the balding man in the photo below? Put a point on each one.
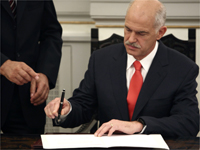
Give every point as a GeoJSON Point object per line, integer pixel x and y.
{"type": "Point", "coordinates": [140, 86]}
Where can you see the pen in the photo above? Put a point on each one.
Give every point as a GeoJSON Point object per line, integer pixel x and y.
{"type": "Point", "coordinates": [61, 104]}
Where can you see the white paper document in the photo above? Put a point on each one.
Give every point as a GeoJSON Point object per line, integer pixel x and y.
{"type": "Point", "coordinates": [52, 141]}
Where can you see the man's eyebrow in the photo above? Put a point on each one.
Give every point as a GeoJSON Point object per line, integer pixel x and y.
{"type": "Point", "coordinates": [126, 27]}
{"type": "Point", "coordinates": [143, 32]}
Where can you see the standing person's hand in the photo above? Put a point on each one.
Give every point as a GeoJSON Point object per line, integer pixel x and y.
{"type": "Point", "coordinates": [39, 90]}
{"type": "Point", "coordinates": [18, 72]}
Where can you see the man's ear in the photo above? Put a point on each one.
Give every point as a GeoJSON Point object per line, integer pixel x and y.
{"type": "Point", "coordinates": [161, 32]}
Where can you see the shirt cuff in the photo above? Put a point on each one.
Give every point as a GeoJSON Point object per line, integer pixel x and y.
{"type": "Point", "coordinates": [143, 129]}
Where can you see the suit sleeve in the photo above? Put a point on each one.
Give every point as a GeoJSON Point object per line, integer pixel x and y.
{"type": "Point", "coordinates": [50, 44]}
{"type": "Point", "coordinates": [3, 58]}
{"type": "Point", "coordinates": [84, 99]}
{"type": "Point", "coordinates": [184, 114]}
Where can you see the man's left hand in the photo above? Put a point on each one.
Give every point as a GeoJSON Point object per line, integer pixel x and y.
{"type": "Point", "coordinates": [128, 127]}
{"type": "Point", "coordinates": [39, 90]}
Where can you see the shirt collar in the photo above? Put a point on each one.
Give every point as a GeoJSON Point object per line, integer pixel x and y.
{"type": "Point", "coordinates": [145, 62]}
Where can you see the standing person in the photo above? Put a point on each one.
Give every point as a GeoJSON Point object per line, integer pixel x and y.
{"type": "Point", "coordinates": [139, 86]}
{"type": "Point", "coordinates": [30, 58]}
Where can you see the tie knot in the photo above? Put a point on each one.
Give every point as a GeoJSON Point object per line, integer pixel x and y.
{"type": "Point", "coordinates": [137, 65]}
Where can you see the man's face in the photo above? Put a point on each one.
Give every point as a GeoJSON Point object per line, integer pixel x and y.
{"type": "Point", "coordinates": [140, 32]}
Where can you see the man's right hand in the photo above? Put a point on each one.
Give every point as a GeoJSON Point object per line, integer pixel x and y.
{"type": "Point", "coordinates": [52, 107]}
{"type": "Point", "coordinates": [18, 72]}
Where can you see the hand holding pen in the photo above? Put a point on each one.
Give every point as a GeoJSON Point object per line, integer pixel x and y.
{"type": "Point", "coordinates": [57, 107]}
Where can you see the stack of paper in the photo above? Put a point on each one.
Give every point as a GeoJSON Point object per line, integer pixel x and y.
{"type": "Point", "coordinates": [52, 141]}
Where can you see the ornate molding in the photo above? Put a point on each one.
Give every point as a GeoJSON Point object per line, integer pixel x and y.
{"type": "Point", "coordinates": [73, 10]}
{"type": "Point", "coordinates": [112, 12]}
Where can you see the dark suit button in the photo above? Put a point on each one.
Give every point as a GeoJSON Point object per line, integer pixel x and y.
{"type": "Point", "coordinates": [18, 55]}
{"type": "Point", "coordinates": [15, 27]}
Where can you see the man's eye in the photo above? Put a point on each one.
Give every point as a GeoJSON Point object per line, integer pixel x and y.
{"type": "Point", "coordinates": [128, 29]}
{"type": "Point", "coordinates": [141, 33]}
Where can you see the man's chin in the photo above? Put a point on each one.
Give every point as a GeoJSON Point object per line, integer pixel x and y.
{"type": "Point", "coordinates": [132, 54]}
{"type": "Point", "coordinates": [131, 51]}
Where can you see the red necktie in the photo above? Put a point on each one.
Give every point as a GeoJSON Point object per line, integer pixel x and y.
{"type": "Point", "coordinates": [13, 7]}
{"type": "Point", "coordinates": [134, 88]}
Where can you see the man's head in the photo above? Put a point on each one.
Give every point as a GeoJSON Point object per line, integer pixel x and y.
{"type": "Point", "coordinates": [144, 25]}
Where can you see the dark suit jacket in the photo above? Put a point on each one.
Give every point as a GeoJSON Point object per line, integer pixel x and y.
{"type": "Point", "coordinates": [35, 38]}
{"type": "Point", "coordinates": [167, 101]}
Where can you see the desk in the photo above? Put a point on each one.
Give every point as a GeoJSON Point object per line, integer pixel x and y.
{"type": "Point", "coordinates": [25, 142]}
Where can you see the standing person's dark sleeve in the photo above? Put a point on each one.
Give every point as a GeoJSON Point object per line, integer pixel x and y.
{"type": "Point", "coordinates": [50, 44]}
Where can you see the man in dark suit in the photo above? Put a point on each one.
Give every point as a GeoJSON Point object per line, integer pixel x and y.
{"type": "Point", "coordinates": [30, 58]}
{"type": "Point", "coordinates": [167, 102]}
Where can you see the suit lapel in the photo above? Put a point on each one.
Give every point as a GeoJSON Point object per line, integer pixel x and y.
{"type": "Point", "coordinates": [155, 76]}
{"type": "Point", "coordinates": [118, 78]}
{"type": "Point", "coordinates": [20, 9]}
{"type": "Point", "coordinates": [6, 6]}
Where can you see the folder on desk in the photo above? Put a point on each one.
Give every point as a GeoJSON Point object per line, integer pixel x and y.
{"type": "Point", "coordinates": [55, 141]}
